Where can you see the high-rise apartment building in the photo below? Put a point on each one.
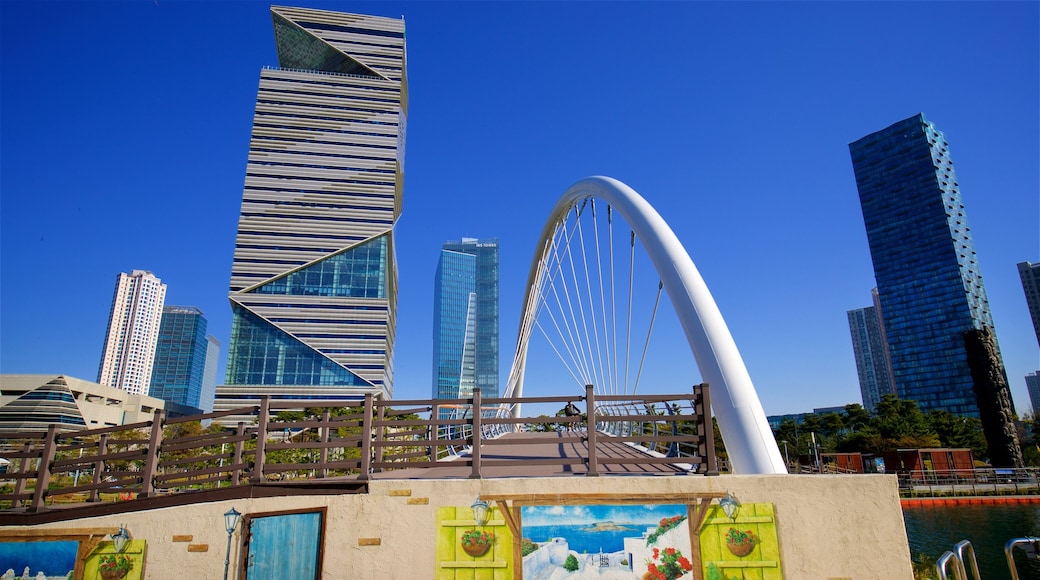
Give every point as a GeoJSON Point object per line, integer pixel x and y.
{"type": "Point", "coordinates": [182, 357]}
{"type": "Point", "coordinates": [133, 330]}
{"type": "Point", "coordinates": [1033, 388]}
{"type": "Point", "coordinates": [928, 279]}
{"type": "Point", "coordinates": [1030, 275]}
{"type": "Point", "coordinates": [871, 350]}
{"type": "Point", "coordinates": [465, 320]}
{"type": "Point", "coordinates": [314, 279]}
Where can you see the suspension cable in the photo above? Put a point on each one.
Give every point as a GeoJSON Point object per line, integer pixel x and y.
{"type": "Point", "coordinates": [649, 330]}
{"type": "Point", "coordinates": [631, 276]}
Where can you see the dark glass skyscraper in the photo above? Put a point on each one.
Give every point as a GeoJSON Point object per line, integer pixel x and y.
{"type": "Point", "coordinates": [1030, 275]}
{"type": "Point", "coordinates": [181, 359]}
{"type": "Point", "coordinates": [927, 272]}
{"type": "Point", "coordinates": [314, 280]}
{"type": "Point", "coordinates": [465, 320]}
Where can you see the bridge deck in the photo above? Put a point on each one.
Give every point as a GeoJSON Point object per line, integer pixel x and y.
{"type": "Point", "coordinates": [542, 455]}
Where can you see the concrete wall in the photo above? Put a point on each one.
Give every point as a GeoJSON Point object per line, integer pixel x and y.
{"type": "Point", "coordinates": [829, 526]}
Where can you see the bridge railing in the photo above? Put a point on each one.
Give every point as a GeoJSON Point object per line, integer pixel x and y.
{"type": "Point", "coordinates": [969, 482]}
{"type": "Point", "coordinates": [345, 441]}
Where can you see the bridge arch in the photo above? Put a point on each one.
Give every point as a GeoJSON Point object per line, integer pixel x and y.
{"type": "Point", "coordinates": [742, 421]}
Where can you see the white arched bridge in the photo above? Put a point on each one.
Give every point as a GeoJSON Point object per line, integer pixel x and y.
{"type": "Point", "coordinates": [581, 298]}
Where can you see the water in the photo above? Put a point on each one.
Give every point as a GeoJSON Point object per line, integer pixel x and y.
{"type": "Point", "coordinates": [935, 530]}
{"type": "Point", "coordinates": [583, 541]}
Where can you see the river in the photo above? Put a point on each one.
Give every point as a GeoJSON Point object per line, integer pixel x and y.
{"type": "Point", "coordinates": [935, 530]}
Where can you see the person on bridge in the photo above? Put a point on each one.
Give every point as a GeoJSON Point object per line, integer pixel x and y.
{"type": "Point", "coordinates": [571, 410]}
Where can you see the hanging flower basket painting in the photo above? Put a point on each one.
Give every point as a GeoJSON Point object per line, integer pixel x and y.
{"type": "Point", "coordinates": [476, 542]}
{"type": "Point", "coordinates": [114, 567]}
{"type": "Point", "coordinates": [740, 543]}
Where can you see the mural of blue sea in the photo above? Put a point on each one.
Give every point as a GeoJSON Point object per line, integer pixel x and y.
{"type": "Point", "coordinates": [54, 559]}
{"type": "Point", "coordinates": [591, 528]}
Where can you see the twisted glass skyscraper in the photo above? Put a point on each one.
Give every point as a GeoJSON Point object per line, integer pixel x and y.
{"type": "Point", "coordinates": [314, 279]}
{"type": "Point", "coordinates": [465, 320]}
{"type": "Point", "coordinates": [927, 271]}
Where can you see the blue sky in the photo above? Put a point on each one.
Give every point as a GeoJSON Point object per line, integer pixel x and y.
{"type": "Point", "coordinates": [124, 128]}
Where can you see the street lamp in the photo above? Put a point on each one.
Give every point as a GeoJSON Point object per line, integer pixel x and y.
{"type": "Point", "coordinates": [120, 539]}
{"type": "Point", "coordinates": [230, 523]}
{"type": "Point", "coordinates": [730, 506]}
{"type": "Point", "coordinates": [480, 511]}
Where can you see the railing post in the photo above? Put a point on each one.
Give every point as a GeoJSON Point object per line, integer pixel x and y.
{"type": "Point", "coordinates": [43, 470]}
{"type": "Point", "coordinates": [366, 440]}
{"type": "Point", "coordinates": [475, 432]}
{"type": "Point", "coordinates": [379, 435]}
{"type": "Point", "coordinates": [239, 447]}
{"type": "Point", "coordinates": [323, 436]}
{"type": "Point", "coordinates": [152, 455]}
{"type": "Point", "coordinates": [702, 402]}
{"type": "Point", "coordinates": [23, 469]}
{"type": "Point", "coordinates": [433, 432]}
{"type": "Point", "coordinates": [19, 485]}
{"type": "Point", "coordinates": [590, 430]}
{"type": "Point", "coordinates": [262, 420]}
{"type": "Point", "coordinates": [99, 466]}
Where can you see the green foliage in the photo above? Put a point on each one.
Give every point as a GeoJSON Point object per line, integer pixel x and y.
{"type": "Point", "coordinates": [477, 538]}
{"type": "Point", "coordinates": [924, 567]}
{"type": "Point", "coordinates": [895, 424]}
{"type": "Point", "coordinates": [571, 565]}
{"type": "Point", "coordinates": [665, 525]}
{"type": "Point", "coordinates": [527, 547]}
{"type": "Point", "coordinates": [958, 432]}
{"type": "Point", "coordinates": [1031, 455]}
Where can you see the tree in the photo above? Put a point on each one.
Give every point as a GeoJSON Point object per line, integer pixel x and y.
{"type": "Point", "coordinates": [958, 432]}
{"type": "Point", "coordinates": [902, 425]}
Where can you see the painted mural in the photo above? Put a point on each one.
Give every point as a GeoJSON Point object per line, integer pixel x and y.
{"type": "Point", "coordinates": [51, 560]}
{"type": "Point", "coordinates": [605, 541]}
{"type": "Point", "coordinates": [608, 541]}
{"type": "Point", "coordinates": [105, 564]}
{"type": "Point", "coordinates": [745, 547]}
{"type": "Point", "coordinates": [466, 551]}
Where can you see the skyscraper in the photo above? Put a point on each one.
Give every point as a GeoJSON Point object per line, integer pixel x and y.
{"type": "Point", "coordinates": [1033, 388]}
{"type": "Point", "coordinates": [133, 329]}
{"type": "Point", "coordinates": [871, 349]}
{"type": "Point", "coordinates": [928, 279]}
{"type": "Point", "coordinates": [182, 357]}
{"type": "Point", "coordinates": [465, 320]}
{"type": "Point", "coordinates": [1030, 275]}
{"type": "Point", "coordinates": [314, 278]}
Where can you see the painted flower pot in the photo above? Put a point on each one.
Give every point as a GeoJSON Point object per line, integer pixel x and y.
{"type": "Point", "coordinates": [113, 574]}
{"type": "Point", "coordinates": [476, 550]}
{"type": "Point", "coordinates": [740, 550]}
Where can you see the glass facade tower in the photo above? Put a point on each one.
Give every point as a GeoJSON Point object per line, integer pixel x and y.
{"type": "Point", "coordinates": [314, 279]}
{"type": "Point", "coordinates": [1030, 275]}
{"type": "Point", "coordinates": [465, 320]}
{"type": "Point", "coordinates": [871, 349]}
{"type": "Point", "coordinates": [182, 357]}
{"type": "Point", "coordinates": [927, 272]}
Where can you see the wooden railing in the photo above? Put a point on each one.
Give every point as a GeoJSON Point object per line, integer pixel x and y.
{"type": "Point", "coordinates": [346, 442]}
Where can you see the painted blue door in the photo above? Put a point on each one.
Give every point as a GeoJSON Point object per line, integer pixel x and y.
{"type": "Point", "coordinates": [284, 546]}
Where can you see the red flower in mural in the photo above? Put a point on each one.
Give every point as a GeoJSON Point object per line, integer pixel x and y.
{"type": "Point", "coordinates": [668, 565]}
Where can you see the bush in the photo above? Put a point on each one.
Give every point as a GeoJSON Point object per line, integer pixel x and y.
{"type": "Point", "coordinates": [571, 565]}
{"type": "Point", "coordinates": [527, 546]}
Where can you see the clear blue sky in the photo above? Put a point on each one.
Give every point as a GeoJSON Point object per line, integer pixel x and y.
{"type": "Point", "coordinates": [124, 128]}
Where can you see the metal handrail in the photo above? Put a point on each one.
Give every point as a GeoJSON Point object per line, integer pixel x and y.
{"type": "Point", "coordinates": [965, 546]}
{"type": "Point", "coordinates": [958, 566]}
{"type": "Point", "coordinates": [1031, 548]}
